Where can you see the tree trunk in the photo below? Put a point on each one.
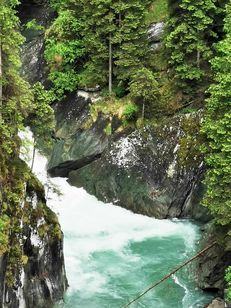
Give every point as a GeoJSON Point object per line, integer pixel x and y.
{"type": "Point", "coordinates": [198, 58]}
{"type": "Point", "coordinates": [143, 110]}
{"type": "Point", "coordinates": [33, 158]}
{"type": "Point", "coordinates": [110, 66]}
{"type": "Point", "coordinates": [1, 74]}
{"type": "Point", "coordinates": [120, 20]}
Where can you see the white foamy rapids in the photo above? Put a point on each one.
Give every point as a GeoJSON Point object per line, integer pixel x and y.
{"type": "Point", "coordinates": [91, 226]}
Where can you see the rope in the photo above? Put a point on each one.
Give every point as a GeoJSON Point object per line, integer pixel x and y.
{"type": "Point", "coordinates": [170, 274]}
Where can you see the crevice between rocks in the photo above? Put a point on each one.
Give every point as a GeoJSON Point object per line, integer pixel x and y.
{"type": "Point", "coordinates": [63, 169]}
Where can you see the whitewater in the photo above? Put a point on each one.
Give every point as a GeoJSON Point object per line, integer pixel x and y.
{"type": "Point", "coordinates": [111, 254]}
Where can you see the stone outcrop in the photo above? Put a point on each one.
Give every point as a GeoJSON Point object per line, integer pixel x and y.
{"type": "Point", "coordinates": [155, 34]}
{"type": "Point", "coordinates": [211, 266]}
{"type": "Point", "coordinates": [76, 146]}
{"type": "Point", "coordinates": [217, 303]}
{"type": "Point", "coordinates": [136, 169]}
{"type": "Point", "coordinates": [33, 64]}
{"type": "Point", "coordinates": [41, 281]}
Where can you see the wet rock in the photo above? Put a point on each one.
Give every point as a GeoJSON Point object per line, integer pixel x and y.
{"type": "Point", "coordinates": [33, 69]}
{"type": "Point", "coordinates": [156, 32]}
{"type": "Point", "coordinates": [211, 266]}
{"type": "Point", "coordinates": [33, 63]}
{"type": "Point", "coordinates": [75, 145]}
{"type": "Point", "coordinates": [138, 170]}
{"type": "Point", "coordinates": [42, 280]}
{"type": "Point", "coordinates": [39, 10]}
{"type": "Point", "coordinates": [217, 303]}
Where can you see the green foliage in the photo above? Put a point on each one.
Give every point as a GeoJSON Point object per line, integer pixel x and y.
{"type": "Point", "coordinates": [77, 43]}
{"type": "Point", "coordinates": [16, 103]}
{"type": "Point", "coordinates": [158, 11]}
{"type": "Point", "coordinates": [188, 42]}
{"type": "Point", "coordinates": [41, 119]}
{"type": "Point", "coordinates": [217, 127]}
{"type": "Point", "coordinates": [33, 25]}
{"type": "Point", "coordinates": [228, 280]}
{"type": "Point", "coordinates": [108, 129]}
{"type": "Point", "coordinates": [4, 233]}
{"type": "Point", "coordinates": [130, 111]}
{"type": "Point", "coordinates": [144, 89]}
{"type": "Point", "coordinates": [64, 49]}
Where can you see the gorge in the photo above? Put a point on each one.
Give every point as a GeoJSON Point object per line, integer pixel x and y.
{"type": "Point", "coordinates": [113, 199]}
{"type": "Point", "coordinates": [112, 254]}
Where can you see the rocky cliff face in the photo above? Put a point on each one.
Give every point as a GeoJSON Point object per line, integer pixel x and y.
{"type": "Point", "coordinates": [211, 266]}
{"type": "Point", "coordinates": [40, 280]}
{"type": "Point", "coordinates": [136, 169]}
{"type": "Point", "coordinates": [34, 67]}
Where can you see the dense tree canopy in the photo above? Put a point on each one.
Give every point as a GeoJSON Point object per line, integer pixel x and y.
{"type": "Point", "coordinates": [17, 102]}
{"type": "Point", "coordinates": [217, 126]}
{"type": "Point", "coordinates": [189, 40]}
{"type": "Point", "coordinates": [96, 42]}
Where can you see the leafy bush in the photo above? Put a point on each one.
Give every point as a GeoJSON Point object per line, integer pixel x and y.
{"type": "Point", "coordinates": [228, 280]}
{"type": "Point", "coordinates": [130, 111]}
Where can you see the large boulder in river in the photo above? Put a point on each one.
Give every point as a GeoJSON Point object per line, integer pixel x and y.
{"type": "Point", "coordinates": [77, 144]}
{"type": "Point", "coordinates": [139, 170]}
{"type": "Point", "coordinates": [217, 303]}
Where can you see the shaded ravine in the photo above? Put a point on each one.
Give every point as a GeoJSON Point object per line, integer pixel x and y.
{"type": "Point", "coordinates": [112, 254]}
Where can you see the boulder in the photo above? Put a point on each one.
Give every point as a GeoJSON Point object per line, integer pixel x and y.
{"type": "Point", "coordinates": [156, 32]}
{"type": "Point", "coordinates": [217, 303]}
{"type": "Point", "coordinates": [141, 172]}
{"type": "Point", "coordinates": [211, 266]}
{"type": "Point", "coordinates": [137, 169]}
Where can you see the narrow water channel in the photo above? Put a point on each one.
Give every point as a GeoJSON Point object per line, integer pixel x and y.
{"type": "Point", "coordinates": [111, 254]}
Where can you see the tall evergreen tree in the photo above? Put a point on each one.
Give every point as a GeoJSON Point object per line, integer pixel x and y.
{"type": "Point", "coordinates": [189, 39]}
{"type": "Point", "coordinates": [113, 35]}
{"type": "Point", "coordinates": [217, 126]}
{"type": "Point", "coordinates": [130, 39]}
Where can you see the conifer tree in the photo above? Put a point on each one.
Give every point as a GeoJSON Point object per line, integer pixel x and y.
{"type": "Point", "coordinates": [189, 40]}
{"type": "Point", "coordinates": [130, 39]}
{"type": "Point", "coordinates": [113, 37]}
{"type": "Point", "coordinates": [217, 126]}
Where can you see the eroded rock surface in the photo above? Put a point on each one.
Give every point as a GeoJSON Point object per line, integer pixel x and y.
{"type": "Point", "coordinates": [217, 303]}
{"type": "Point", "coordinates": [211, 266]}
{"type": "Point", "coordinates": [41, 282]}
{"type": "Point", "coordinates": [139, 170]}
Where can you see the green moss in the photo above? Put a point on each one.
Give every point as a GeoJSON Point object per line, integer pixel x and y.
{"type": "Point", "coordinates": [4, 233]}
{"type": "Point", "coordinates": [189, 153]}
{"type": "Point", "coordinates": [111, 107]}
{"type": "Point", "coordinates": [130, 111]}
{"type": "Point", "coordinates": [108, 129]}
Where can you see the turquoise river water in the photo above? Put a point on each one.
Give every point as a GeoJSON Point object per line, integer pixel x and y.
{"type": "Point", "coordinates": [112, 255]}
